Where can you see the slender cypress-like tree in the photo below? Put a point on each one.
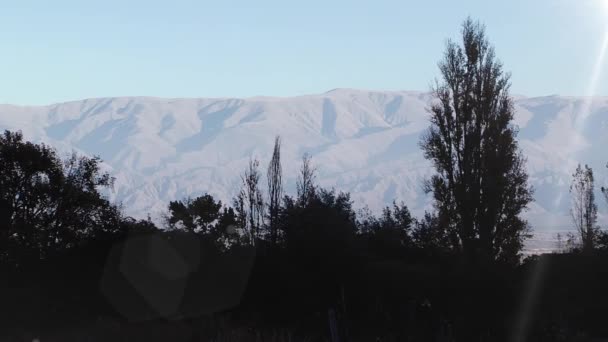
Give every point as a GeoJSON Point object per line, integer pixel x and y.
{"type": "Point", "coordinates": [305, 184]}
{"type": "Point", "coordinates": [480, 186]}
{"type": "Point", "coordinates": [275, 190]}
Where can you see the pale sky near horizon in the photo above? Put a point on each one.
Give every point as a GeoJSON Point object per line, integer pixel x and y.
{"type": "Point", "coordinates": [54, 51]}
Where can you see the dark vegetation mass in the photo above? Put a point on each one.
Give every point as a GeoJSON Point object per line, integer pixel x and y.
{"type": "Point", "coordinates": [271, 266]}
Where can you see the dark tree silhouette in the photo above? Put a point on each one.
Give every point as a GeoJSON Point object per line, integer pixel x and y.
{"type": "Point", "coordinates": [305, 183]}
{"type": "Point", "coordinates": [319, 238]}
{"type": "Point", "coordinates": [400, 216]}
{"type": "Point", "coordinates": [47, 204]}
{"type": "Point", "coordinates": [336, 274]}
{"type": "Point", "coordinates": [367, 223]}
{"type": "Point", "coordinates": [584, 208]}
{"type": "Point", "coordinates": [249, 202]}
{"type": "Point", "coordinates": [480, 185]}
{"type": "Point", "coordinates": [605, 190]}
{"type": "Point", "coordinates": [226, 229]}
{"type": "Point", "coordinates": [206, 217]}
{"type": "Point", "coordinates": [195, 215]}
{"type": "Point", "coordinates": [390, 234]}
{"type": "Point", "coordinates": [275, 190]}
{"type": "Point", "coordinates": [429, 235]}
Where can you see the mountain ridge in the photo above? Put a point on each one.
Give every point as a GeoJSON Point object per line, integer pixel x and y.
{"type": "Point", "coordinates": [365, 142]}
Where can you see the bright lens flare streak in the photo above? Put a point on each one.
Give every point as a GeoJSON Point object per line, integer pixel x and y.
{"type": "Point", "coordinates": [584, 113]}
{"type": "Point", "coordinates": [536, 279]}
{"type": "Point", "coordinates": [584, 110]}
{"type": "Point", "coordinates": [529, 301]}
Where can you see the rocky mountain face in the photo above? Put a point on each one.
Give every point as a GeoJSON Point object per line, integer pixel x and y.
{"type": "Point", "coordinates": [364, 142]}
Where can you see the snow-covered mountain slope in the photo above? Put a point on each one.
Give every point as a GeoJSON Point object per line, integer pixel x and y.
{"type": "Point", "coordinates": [365, 142]}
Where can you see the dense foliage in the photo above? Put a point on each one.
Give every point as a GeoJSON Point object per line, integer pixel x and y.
{"type": "Point", "coordinates": [481, 185]}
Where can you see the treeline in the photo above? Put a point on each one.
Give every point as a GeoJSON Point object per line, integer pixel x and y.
{"type": "Point", "coordinates": [271, 266]}
{"type": "Point", "coordinates": [288, 261]}
{"type": "Point", "coordinates": [308, 264]}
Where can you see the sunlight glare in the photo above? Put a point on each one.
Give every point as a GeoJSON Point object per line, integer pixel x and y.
{"type": "Point", "coordinates": [584, 111]}
{"type": "Point", "coordinates": [601, 5]}
{"type": "Point", "coordinates": [593, 83]}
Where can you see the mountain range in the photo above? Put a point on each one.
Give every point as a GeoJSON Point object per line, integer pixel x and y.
{"type": "Point", "coordinates": [364, 142]}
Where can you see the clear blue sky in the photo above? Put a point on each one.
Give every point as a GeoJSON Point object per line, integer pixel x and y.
{"type": "Point", "coordinates": [52, 51]}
